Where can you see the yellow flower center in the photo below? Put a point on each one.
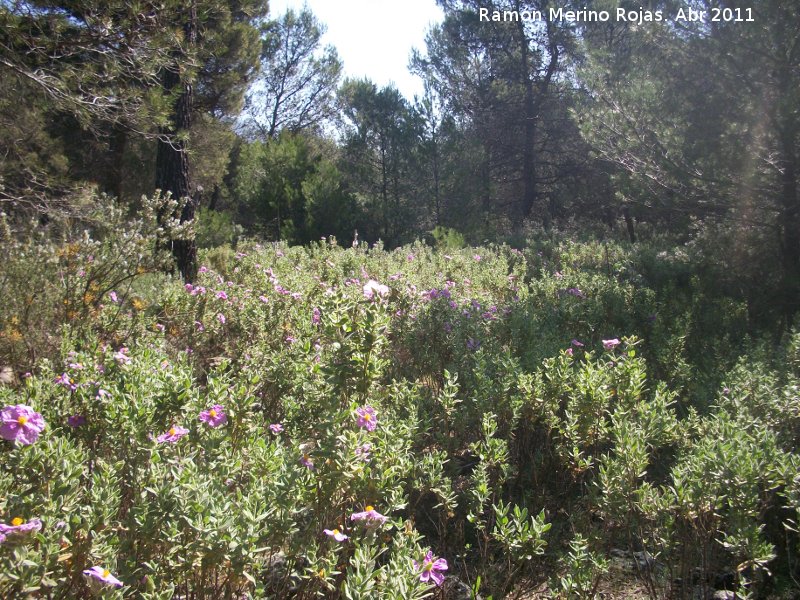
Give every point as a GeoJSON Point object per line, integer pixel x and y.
{"type": "Point", "coordinates": [212, 413]}
{"type": "Point", "coordinates": [367, 417]}
{"type": "Point", "coordinates": [321, 573]}
{"type": "Point", "coordinates": [22, 419]}
{"type": "Point", "coordinates": [172, 431]}
{"type": "Point", "coordinates": [335, 532]}
{"type": "Point", "coordinates": [369, 508]}
{"type": "Point", "coordinates": [106, 572]}
{"type": "Point", "coordinates": [17, 521]}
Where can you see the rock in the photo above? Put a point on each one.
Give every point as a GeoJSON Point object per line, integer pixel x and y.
{"type": "Point", "coordinates": [644, 560]}
{"type": "Point", "coordinates": [7, 376]}
{"type": "Point", "coordinates": [455, 589]}
{"type": "Point", "coordinates": [619, 553]}
{"type": "Point", "coordinates": [723, 595]}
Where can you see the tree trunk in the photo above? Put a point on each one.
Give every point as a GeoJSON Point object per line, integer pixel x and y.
{"type": "Point", "coordinates": [116, 173]}
{"type": "Point", "coordinates": [790, 223]}
{"type": "Point", "coordinates": [629, 224]}
{"type": "Point", "coordinates": [529, 127]}
{"type": "Point", "coordinates": [172, 160]}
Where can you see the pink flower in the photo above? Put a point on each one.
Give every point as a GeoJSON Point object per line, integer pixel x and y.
{"type": "Point", "coordinates": [477, 257]}
{"type": "Point", "coordinates": [66, 381]}
{"type": "Point", "coordinates": [276, 428]}
{"type": "Point", "coordinates": [122, 356]}
{"type": "Point", "coordinates": [307, 462]}
{"type": "Point", "coordinates": [335, 534]}
{"type": "Point", "coordinates": [171, 436]}
{"type": "Point", "coordinates": [20, 423]}
{"type": "Point", "coordinates": [569, 352]}
{"type": "Point", "coordinates": [264, 299]}
{"type": "Point", "coordinates": [431, 569]}
{"type": "Point", "coordinates": [76, 421]}
{"type": "Point", "coordinates": [113, 296]}
{"type": "Point", "coordinates": [222, 295]}
{"type": "Point", "coordinates": [363, 451]}
{"type": "Point", "coordinates": [18, 529]}
{"type": "Point", "coordinates": [611, 344]}
{"type": "Point", "coordinates": [214, 416]}
{"type": "Point", "coordinates": [221, 318]}
{"type": "Point", "coordinates": [370, 516]}
{"type": "Point", "coordinates": [577, 343]}
{"type": "Point", "coordinates": [102, 575]}
{"type": "Point", "coordinates": [366, 418]}
{"type": "Point", "coordinates": [316, 316]}
{"type": "Point", "coordinates": [372, 288]}
{"type": "Point", "coordinates": [203, 270]}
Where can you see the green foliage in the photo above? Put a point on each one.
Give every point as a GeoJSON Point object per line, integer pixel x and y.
{"type": "Point", "coordinates": [511, 463]}
{"type": "Point", "coordinates": [214, 228]}
{"type": "Point", "coordinates": [292, 191]}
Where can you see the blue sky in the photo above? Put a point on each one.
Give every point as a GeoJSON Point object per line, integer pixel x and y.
{"type": "Point", "coordinates": [374, 38]}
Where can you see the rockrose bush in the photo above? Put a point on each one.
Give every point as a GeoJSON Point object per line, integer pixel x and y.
{"type": "Point", "coordinates": [322, 422]}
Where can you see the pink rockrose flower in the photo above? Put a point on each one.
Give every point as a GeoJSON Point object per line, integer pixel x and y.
{"type": "Point", "coordinates": [316, 316]}
{"type": "Point", "coordinates": [76, 421]}
{"type": "Point", "coordinates": [431, 570]}
{"type": "Point", "coordinates": [214, 416]}
{"type": "Point", "coordinates": [369, 516]}
{"type": "Point", "coordinates": [20, 423]}
{"type": "Point", "coordinates": [221, 318]}
{"type": "Point", "coordinates": [366, 418]}
{"type": "Point", "coordinates": [372, 288]}
{"type": "Point", "coordinates": [222, 295]}
{"type": "Point", "coordinates": [576, 343]}
{"type": "Point", "coordinates": [335, 534]}
{"type": "Point", "coordinates": [476, 257]}
{"type": "Point", "coordinates": [66, 381]}
{"type": "Point", "coordinates": [611, 344]}
{"type": "Point", "coordinates": [113, 296]}
{"type": "Point", "coordinates": [363, 451]}
{"type": "Point", "coordinates": [569, 352]}
{"type": "Point", "coordinates": [122, 356]}
{"type": "Point", "coordinates": [172, 435]}
{"type": "Point", "coordinates": [307, 462]}
{"type": "Point", "coordinates": [101, 575]}
{"type": "Point", "coordinates": [276, 428]}
{"type": "Point", "coordinates": [19, 529]}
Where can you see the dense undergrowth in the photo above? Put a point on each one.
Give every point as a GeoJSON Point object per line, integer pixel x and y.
{"type": "Point", "coordinates": [518, 412]}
